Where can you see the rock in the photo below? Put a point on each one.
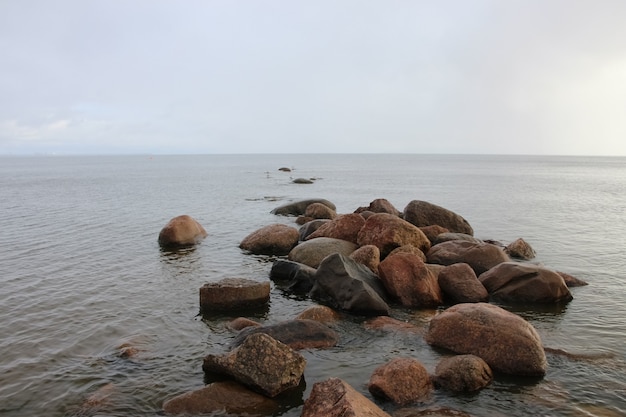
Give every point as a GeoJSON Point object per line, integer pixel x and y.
{"type": "Point", "coordinates": [515, 282]}
{"type": "Point", "coordinates": [520, 249]}
{"type": "Point", "coordinates": [433, 231]}
{"type": "Point", "coordinates": [430, 411]}
{"type": "Point", "coordinates": [349, 285]}
{"type": "Point", "coordinates": [310, 226]}
{"type": "Point", "coordinates": [480, 256]}
{"type": "Point", "coordinates": [446, 237]}
{"type": "Point", "coordinates": [241, 323]}
{"type": "Point", "coordinates": [388, 232]}
{"type": "Point", "coordinates": [507, 342]}
{"type": "Point", "coordinates": [409, 249]}
{"type": "Point", "coordinates": [273, 239]}
{"type": "Point", "coordinates": [336, 398]}
{"type": "Point", "coordinates": [390, 324]}
{"type": "Point", "coordinates": [284, 169]}
{"type": "Point", "coordinates": [571, 281]}
{"type": "Point", "coordinates": [298, 208]}
{"type": "Point", "coordinates": [297, 334]}
{"type": "Point", "coordinates": [380, 205]}
{"type": "Point", "coordinates": [228, 396]}
{"type": "Point", "coordinates": [181, 231]}
{"type": "Point", "coordinates": [463, 373]}
{"type": "Point", "coordinates": [321, 314]}
{"type": "Point", "coordinates": [233, 294]}
{"type": "Point", "coordinates": [423, 213]}
{"type": "Point", "coordinates": [319, 211]}
{"type": "Point", "coordinates": [294, 276]}
{"type": "Point", "coordinates": [401, 380]}
{"type": "Point", "coordinates": [408, 280]}
{"type": "Point", "coordinates": [344, 227]}
{"type": "Point", "coordinates": [460, 285]}
{"type": "Point", "coordinates": [368, 255]}
{"type": "Point", "coordinates": [312, 252]}
{"type": "Point", "coordinates": [261, 363]}
{"type": "Point", "coordinates": [302, 181]}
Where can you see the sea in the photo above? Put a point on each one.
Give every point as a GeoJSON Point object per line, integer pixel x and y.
{"type": "Point", "coordinates": [83, 279]}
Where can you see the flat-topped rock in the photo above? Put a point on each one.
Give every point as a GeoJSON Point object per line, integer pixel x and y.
{"type": "Point", "coordinates": [233, 294]}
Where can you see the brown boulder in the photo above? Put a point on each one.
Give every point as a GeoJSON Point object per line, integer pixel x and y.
{"type": "Point", "coordinates": [181, 231]}
{"type": "Point", "coordinates": [344, 227]}
{"type": "Point", "coordinates": [336, 398]}
{"type": "Point", "coordinates": [480, 256]}
{"type": "Point", "coordinates": [572, 281]}
{"type": "Point", "coordinates": [460, 284]}
{"type": "Point", "coordinates": [226, 396]}
{"type": "Point", "coordinates": [273, 239]}
{"type": "Point", "coordinates": [380, 205]}
{"type": "Point", "coordinates": [310, 226]}
{"type": "Point", "coordinates": [388, 232]}
{"type": "Point", "coordinates": [297, 334]}
{"type": "Point", "coordinates": [387, 323]}
{"type": "Point", "coordinates": [423, 213]}
{"type": "Point", "coordinates": [261, 363]}
{"type": "Point", "coordinates": [368, 255]}
{"type": "Point", "coordinates": [520, 249]}
{"type": "Point", "coordinates": [321, 314]}
{"type": "Point", "coordinates": [408, 280]}
{"type": "Point", "coordinates": [463, 373]}
{"type": "Point", "coordinates": [507, 342]}
{"type": "Point", "coordinates": [401, 380]}
{"type": "Point", "coordinates": [312, 252]}
{"type": "Point", "coordinates": [233, 294]}
{"type": "Point", "coordinates": [241, 323]}
{"type": "Point", "coordinates": [297, 208]}
{"type": "Point", "coordinates": [525, 283]}
{"type": "Point", "coordinates": [448, 236]}
{"type": "Point", "coordinates": [409, 249]}
{"type": "Point", "coordinates": [433, 231]}
{"type": "Point", "coordinates": [319, 211]}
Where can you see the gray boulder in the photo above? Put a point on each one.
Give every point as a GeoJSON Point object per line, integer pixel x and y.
{"type": "Point", "coordinates": [422, 213]}
{"type": "Point", "coordinates": [233, 294]}
{"type": "Point", "coordinates": [298, 208]}
{"type": "Point", "coordinates": [312, 252]}
{"type": "Point", "coordinates": [297, 334]}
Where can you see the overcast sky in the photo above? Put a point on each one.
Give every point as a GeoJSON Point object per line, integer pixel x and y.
{"type": "Point", "coordinates": [287, 76]}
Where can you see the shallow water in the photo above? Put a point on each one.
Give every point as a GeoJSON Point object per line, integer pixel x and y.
{"type": "Point", "coordinates": [82, 274]}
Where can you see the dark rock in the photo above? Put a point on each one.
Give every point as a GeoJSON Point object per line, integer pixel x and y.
{"type": "Point", "coordinates": [284, 169]}
{"type": "Point", "coordinates": [181, 231]}
{"type": "Point", "coordinates": [480, 256]}
{"type": "Point", "coordinates": [312, 252]}
{"type": "Point", "coordinates": [336, 398]}
{"type": "Point", "coordinates": [463, 373]}
{"type": "Point", "coordinates": [311, 226]}
{"type": "Point", "coordinates": [515, 282]}
{"type": "Point", "coordinates": [380, 205]}
{"type": "Point", "coordinates": [571, 281]}
{"type": "Point", "coordinates": [401, 380]}
{"type": "Point", "coordinates": [390, 324]}
{"type": "Point", "coordinates": [296, 277]}
{"type": "Point", "coordinates": [423, 213]}
{"type": "Point", "coordinates": [520, 249]}
{"type": "Point", "coordinates": [297, 334]}
{"type": "Point", "coordinates": [261, 363]}
{"type": "Point", "coordinates": [430, 411]}
{"type": "Point", "coordinates": [349, 285]}
{"type": "Point", "coordinates": [273, 239]}
{"type": "Point", "coordinates": [322, 314]}
{"type": "Point", "coordinates": [302, 181]}
{"type": "Point", "coordinates": [233, 294]}
{"type": "Point", "coordinates": [388, 232]}
{"type": "Point", "coordinates": [344, 227]}
{"type": "Point", "coordinates": [507, 342]}
{"type": "Point", "coordinates": [241, 323]}
{"type": "Point", "coordinates": [298, 208]}
{"type": "Point", "coordinates": [460, 285]}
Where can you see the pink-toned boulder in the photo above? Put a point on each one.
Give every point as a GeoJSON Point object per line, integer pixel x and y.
{"type": "Point", "coordinates": [460, 285]}
{"type": "Point", "coordinates": [401, 380]}
{"type": "Point", "coordinates": [433, 231]}
{"type": "Point", "coordinates": [336, 398]}
{"type": "Point", "coordinates": [319, 211]}
{"type": "Point", "coordinates": [516, 282]}
{"type": "Point", "coordinates": [228, 396]}
{"type": "Point", "coordinates": [388, 232]}
{"type": "Point", "coordinates": [480, 256]}
{"type": "Point", "coordinates": [320, 314]}
{"type": "Point", "coordinates": [233, 294]}
{"type": "Point", "coordinates": [380, 205]}
{"type": "Point", "coordinates": [463, 373]}
{"type": "Point", "coordinates": [507, 342]}
{"type": "Point", "coordinates": [423, 213]}
{"type": "Point", "coordinates": [368, 255]}
{"type": "Point", "coordinates": [181, 231]}
{"type": "Point", "coordinates": [409, 249]}
{"type": "Point", "coordinates": [408, 280]}
{"type": "Point", "coordinates": [345, 227]}
{"type": "Point", "coordinates": [273, 239]}
{"type": "Point", "coordinates": [520, 249]}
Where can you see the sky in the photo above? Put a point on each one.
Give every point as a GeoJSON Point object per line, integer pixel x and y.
{"type": "Point", "coordinates": [339, 76]}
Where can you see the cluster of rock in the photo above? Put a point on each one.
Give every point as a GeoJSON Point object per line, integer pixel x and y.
{"type": "Point", "coordinates": [365, 263]}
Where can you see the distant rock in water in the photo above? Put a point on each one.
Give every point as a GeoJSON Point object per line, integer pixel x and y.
{"type": "Point", "coordinates": [302, 181]}
{"type": "Point", "coordinates": [298, 208]}
{"type": "Point", "coordinates": [284, 169]}
{"type": "Point", "coordinates": [181, 231]}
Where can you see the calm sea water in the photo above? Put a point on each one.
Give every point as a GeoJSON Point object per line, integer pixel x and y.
{"type": "Point", "coordinates": [82, 275]}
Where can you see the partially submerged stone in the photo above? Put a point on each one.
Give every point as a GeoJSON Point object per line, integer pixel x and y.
{"type": "Point", "coordinates": [520, 249]}
{"type": "Point", "coordinates": [298, 208]}
{"type": "Point", "coordinates": [233, 294]}
{"type": "Point", "coordinates": [336, 398]}
{"type": "Point", "coordinates": [463, 373]}
{"type": "Point", "coordinates": [297, 334]}
{"type": "Point", "coordinates": [401, 380]}
{"type": "Point", "coordinates": [181, 231]}
{"type": "Point", "coordinates": [322, 314]}
{"type": "Point", "coordinates": [273, 239]}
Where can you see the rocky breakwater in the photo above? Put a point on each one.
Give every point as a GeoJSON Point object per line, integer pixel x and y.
{"type": "Point", "coordinates": [368, 265]}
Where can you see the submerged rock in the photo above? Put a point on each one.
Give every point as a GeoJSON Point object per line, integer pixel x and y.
{"type": "Point", "coordinates": [463, 373]}
{"type": "Point", "coordinates": [298, 208]}
{"type": "Point", "coordinates": [401, 380]}
{"type": "Point", "coordinates": [273, 239]}
{"type": "Point", "coordinates": [336, 398]}
{"type": "Point", "coordinates": [233, 294]}
{"type": "Point", "coordinates": [297, 334]}
{"type": "Point", "coordinates": [181, 231]}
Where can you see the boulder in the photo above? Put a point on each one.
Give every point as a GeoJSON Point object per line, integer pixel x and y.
{"type": "Point", "coordinates": [273, 239]}
{"type": "Point", "coordinates": [349, 285]}
{"type": "Point", "coordinates": [433, 231]}
{"type": "Point", "coordinates": [293, 276]}
{"type": "Point", "coordinates": [302, 181]}
{"type": "Point", "coordinates": [463, 373]}
{"type": "Point", "coordinates": [409, 281]}
{"type": "Point", "coordinates": [310, 226]}
{"type": "Point", "coordinates": [261, 363]}
{"type": "Point", "coordinates": [388, 232]}
{"type": "Point", "coordinates": [430, 411]}
{"type": "Point", "coordinates": [344, 227]}
{"type": "Point", "coordinates": [297, 208]}
{"type": "Point", "coordinates": [409, 249]}
{"type": "Point", "coordinates": [480, 256]}
{"type": "Point", "coordinates": [380, 205]}
{"type": "Point", "coordinates": [322, 314]}
{"type": "Point", "coordinates": [336, 398]}
{"type": "Point", "coordinates": [423, 213]}
{"type": "Point", "coordinates": [241, 323]}
{"type": "Point", "coordinates": [181, 231]}
{"type": "Point", "coordinates": [446, 237]}
{"type": "Point", "coordinates": [520, 249]}
{"type": "Point", "coordinates": [312, 252]}
{"type": "Point", "coordinates": [507, 342]}
{"type": "Point", "coordinates": [233, 294]}
{"type": "Point", "coordinates": [368, 255]}
{"type": "Point", "coordinates": [297, 334]}
{"type": "Point", "coordinates": [387, 323]}
{"type": "Point", "coordinates": [401, 380]}
{"type": "Point", "coordinates": [319, 211]}
{"type": "Point", "coordinates": [515, 282]}
{"type": "Point", "coordinates": [460, 285]}
{"type": "Point", "coordinates": [571, 281]}
{"type": "Point", "coordinates": [228, 396]}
